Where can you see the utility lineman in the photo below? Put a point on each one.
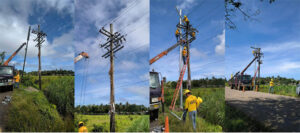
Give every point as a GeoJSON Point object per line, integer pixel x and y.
{"type": "Point", "coordinates": [17, 80]}
{"type": "Point", "coordinates": [191, 105]}
{"type": "Point", "coordinates": [271, 89]}
{"type": "Point", "coordinates": [82, 128]}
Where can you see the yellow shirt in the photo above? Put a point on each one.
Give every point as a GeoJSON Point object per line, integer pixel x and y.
{"type": "Point", "coordinates": [271, 83]}
{"type": "Point", "coordinates": [17, 78]}
{"type": "Point", "coordinates": [83, 129]}
{"type": "Point", "coordinates": [183, 52]}
{"type": "Point", "coordinates": [192, 103]}
{"type": "Point", "coordinates": [177, 32]}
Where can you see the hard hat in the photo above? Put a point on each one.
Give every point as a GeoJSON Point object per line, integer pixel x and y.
{"type": "Point", "coordinates": [186, 91]}
{"type": "Point", "coordinates": [184, 48]}
{"type": "Point", "coordinates": [272, 79]}
{"type": "Point", "coordinates": [184, 16]}
{"type": "Point", "coordinates": [80, 122]}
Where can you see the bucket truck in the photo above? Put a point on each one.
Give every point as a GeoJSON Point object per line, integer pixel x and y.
{"type": "Point", "coordinates": [7, 72]}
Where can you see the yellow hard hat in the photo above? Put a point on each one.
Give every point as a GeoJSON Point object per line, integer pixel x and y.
{"type": "Point", "coordinates": [80, 122]}
{"type": "Point", "coordinates": [184, 48]}
{"type": "Point", "coordinates": [272, 79]}
{"type": "Point", "coordinates": [186, 91]}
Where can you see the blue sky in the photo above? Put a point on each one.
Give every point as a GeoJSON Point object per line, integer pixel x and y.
{"type": "Point", "coordinates": [275, 30]}
{"type": "Point", "coordinates": [131, 63]}
{"type": "Point", "coordinates": [207, 51]}
{"type": "Point", "coordinates": [55, 18]}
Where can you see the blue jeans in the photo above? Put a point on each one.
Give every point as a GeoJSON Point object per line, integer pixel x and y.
{"type": "Point", "coordinates": [184, 59]}
{"type": "Point", "coordinates": [271, 89]}
{"type": "Point", "coordinates": [16, 84]}
{"type": "Point", "coordinates": [193, 116]}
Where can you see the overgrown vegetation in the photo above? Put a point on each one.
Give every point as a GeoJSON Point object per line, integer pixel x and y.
{"type": "Point", "coordinates": [104, 109]}
{"type": "Point", "coordinates": [287, 90]}
{"type": "Point", "coordinates": [31, 111]}
{"type": "Point", "coordinates": [237, 121]}
{"type": "Point", "coordinates": [200, 83]}
{"type": "Point", "coordinates": [58, 91]}
{"type": "Point", "coordinates": [124, 123]}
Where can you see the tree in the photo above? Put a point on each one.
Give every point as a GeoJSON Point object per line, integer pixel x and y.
{"type": "Point", "coordinates": [2, 56]}
{"type": "Point", "coordinates": [234, 6]}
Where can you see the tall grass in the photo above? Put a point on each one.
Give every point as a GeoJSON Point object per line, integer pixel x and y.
{"type": "Point", "coordinates": [31, 112]}
{"type": "Point", "coordinates": [287, 90]}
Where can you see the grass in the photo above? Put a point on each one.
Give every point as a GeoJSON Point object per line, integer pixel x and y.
{"type": "Point", "coordinates": [31, 111]}
{"type": "Point", "coordinates": [58, 91]}
{"type": "Point", "coordinates": [237, 121]}
{"type": "Point", "coordinates": [286, 90]}
{"type": "Point", "coordinates": [211, 113]}
{"type": "Point", "coordinates": [124, 123]}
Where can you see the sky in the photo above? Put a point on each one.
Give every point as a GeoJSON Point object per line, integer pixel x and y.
{"type": "Point", "coordinates": [92, 82]}
{"type": "Point", "coordinates": [207, 51]}
{"type": "Point", "coordinates": [275, 30]}
{"type": "Point", "coordinates": [55, 18]}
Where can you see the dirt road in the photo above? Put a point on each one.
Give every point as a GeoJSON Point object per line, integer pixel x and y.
{"type": "Point", "coordinates": [279, 113]}
{"type": "Point", "coordinates": [3, 109]}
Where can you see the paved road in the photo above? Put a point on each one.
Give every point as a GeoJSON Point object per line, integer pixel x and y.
{"type": "Point", "coordinates": [279, 113]}
{"type": "Point", "coordinates": [3, 109]}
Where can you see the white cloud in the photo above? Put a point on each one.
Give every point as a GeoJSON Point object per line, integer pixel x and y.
{"type": "Point", "coordinates": [279, 47]}
{"type": "Point", "coordinates": [186, 4]}
{"type": "Point", "coordinates": [220, 48]}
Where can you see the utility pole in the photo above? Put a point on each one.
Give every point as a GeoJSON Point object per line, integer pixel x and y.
{"type": "Point", "coordinates": [189, 84]}
{"type": "Point", "coordinates": [180, 58]}
{"type": "Point", "coordinates": [112, 46]}
{"type": "Point", "coordinates": [28, 36]}
{"type": "Point", "coordinates": [39, 39]}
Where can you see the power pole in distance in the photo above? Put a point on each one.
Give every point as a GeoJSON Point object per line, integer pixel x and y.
{"type": "Point", "coordinates": [112, 46]}
{"type": "Point", "coordinates": [39, 39]}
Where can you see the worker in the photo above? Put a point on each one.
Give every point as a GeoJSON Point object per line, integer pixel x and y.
{"type": "Point", "coordinates": [271, 89]}
{"type": "Point", "coordinates": [184, 54]}
{"type": "Point", "coordinates": [193, 34]}
{"type": "Point", "coordinates": [186, 19]}
{"type": "Point", "coordinates": [191, 105]}
{"type": "Point", "coordinates": [177, 34]}
{"type": "Point", "coordinates": [82, 128]}
{"type": "Point", "coordinates": [17, 80]}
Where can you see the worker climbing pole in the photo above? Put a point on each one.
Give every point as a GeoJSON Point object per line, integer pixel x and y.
{"type": "Point", "coordinates": [113, 45]}
{"type": "Point", "coordinates": [39, 39]}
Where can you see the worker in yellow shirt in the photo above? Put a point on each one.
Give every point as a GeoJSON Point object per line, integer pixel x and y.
{"type": "Point", "coordinates": [190, 106]}
{"type": "Point", "coordinates": [177, 34]}
{"type": "Point", "coordinates": [82, 128]}
{"type": "Point", "coordinates": [185, 19]}
{"type": "Point", "coordinates": [271, 89]}
{"type": "Point", "coordinates": [17, 80]}
{"type": "Point", "coordinates": [184, 54]}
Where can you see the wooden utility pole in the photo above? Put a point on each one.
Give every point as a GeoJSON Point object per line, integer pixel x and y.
{"type": "Point", "coordinates": [40, 39]}
{"type": "Point", "coordinates": [28, 36]}
{"type": "Point", "coordinates": [112, 45]}
{"type": "Point", "coordinates": [189, 83]}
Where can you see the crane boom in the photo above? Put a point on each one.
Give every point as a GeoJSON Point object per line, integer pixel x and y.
{"type": "Point", "coordinates": [14, 54]}
{"type": "Point", "coordinates": [248, 65]}
{"type": "Point", "coordinates": [80, 56]}
{"type": "Point", "coordinates": [157, 57]}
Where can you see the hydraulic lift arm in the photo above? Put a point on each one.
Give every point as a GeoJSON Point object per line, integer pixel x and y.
{"type": "Point", "coordinates": [242, 73]}
{"type": "Point", "coordinates": [81, 56]}
{"type": "Point", "coordinates": [154, 59]}
{"type": "Point", "coordinates": [14, 54]}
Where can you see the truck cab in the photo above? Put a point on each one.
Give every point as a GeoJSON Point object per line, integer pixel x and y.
{"type": "Point", "coordinates": [246, 81]}
{"type": "Point", "coordinates": [6, 78]}
{"type": "Point", "coordinates": [155, 95]}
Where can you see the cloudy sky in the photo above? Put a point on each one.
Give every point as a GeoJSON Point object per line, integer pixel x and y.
{"type": "Point", "coordinates": [275, 30]}
{"type": "Point", "coordinates": [207, 51]}
{"type": "Point", "coordinates": [92, 85]}
{"type": "Point", "coordinates": [55, 18]}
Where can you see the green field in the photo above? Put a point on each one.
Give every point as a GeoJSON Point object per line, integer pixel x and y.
{"type": "Point", "coordinates": [287, 90]}
{"type": "Point", "coordinates": [49, 109]}
{"type": "Point", "coordinates": [210, 114]}
{"type": "Point", "coordinates": [124, 123]}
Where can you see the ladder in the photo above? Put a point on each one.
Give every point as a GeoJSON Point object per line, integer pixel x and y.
{"type": "Point", "coordinates": [179, 83]}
